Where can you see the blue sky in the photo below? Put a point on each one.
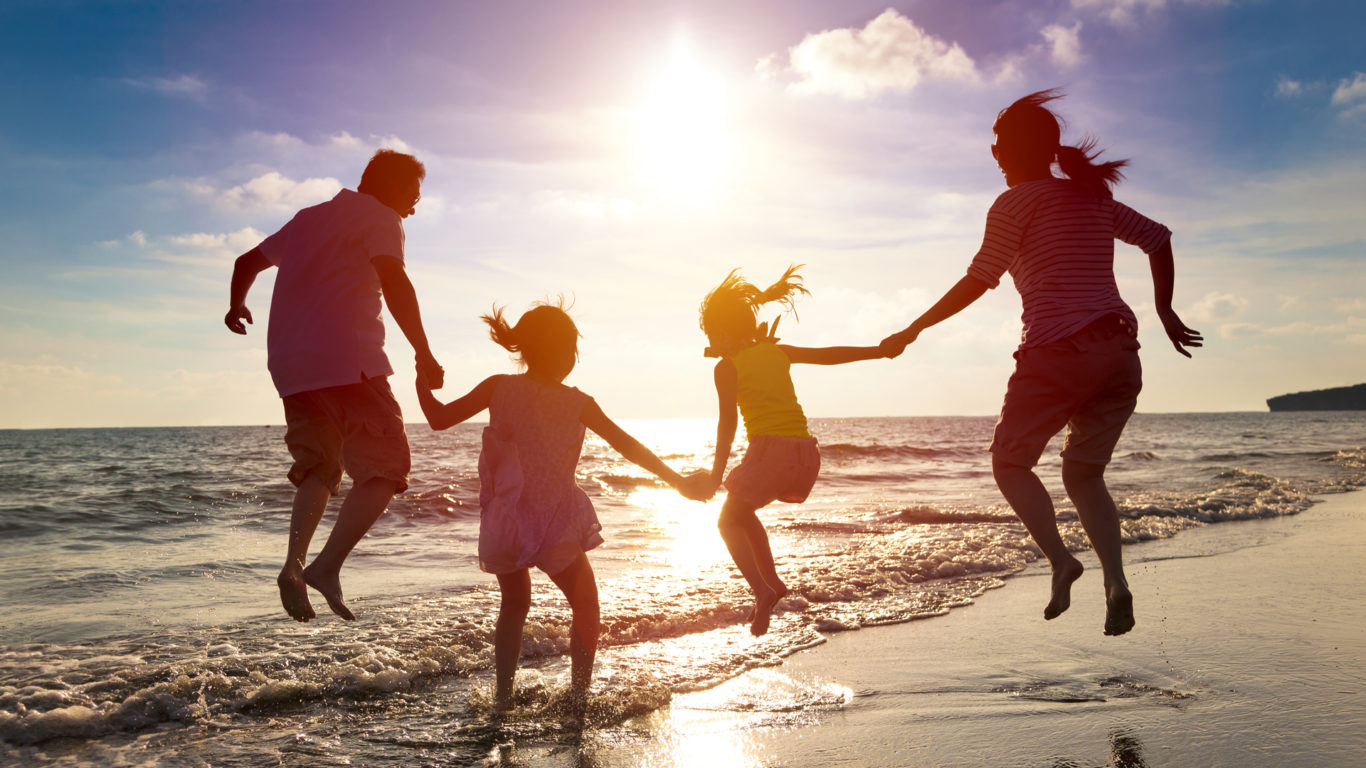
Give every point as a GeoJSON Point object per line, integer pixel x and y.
{"type": "Point", "coordinates": [629, 154]}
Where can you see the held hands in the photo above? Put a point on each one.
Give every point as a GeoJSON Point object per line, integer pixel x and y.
{"type": "Point", "coordinates": [894, 345]}
{"type": "Point", "coordinates": [698, 485]}
{"type": "Point", "coordinates": [1177, 331]}
{"type": "Point", "coordinates": [235, 317]}
{"type": "Point", "coordinates": [430, 374]}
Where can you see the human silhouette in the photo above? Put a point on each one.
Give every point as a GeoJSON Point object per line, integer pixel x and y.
{"type": "Point", "coordinates": [1077, 364]}
{"type": "Point", "coordinates": [782, 459]}
{"type": "Point", "coordinates": [531, 510]}
{"type": "Point", "coordinates": [325, 349]}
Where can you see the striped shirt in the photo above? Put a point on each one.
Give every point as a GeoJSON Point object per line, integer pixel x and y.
{"type": "Point", "coordinates": [1058, 243]}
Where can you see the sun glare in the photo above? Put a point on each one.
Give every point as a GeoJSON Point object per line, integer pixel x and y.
{"type": "Point", "coordinates": [685, 141]}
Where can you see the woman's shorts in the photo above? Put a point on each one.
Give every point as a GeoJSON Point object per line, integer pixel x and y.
{"type": "Point", "coordinates": [775, 468]}
{"type": "Point", "coordinates": [1088, 382]}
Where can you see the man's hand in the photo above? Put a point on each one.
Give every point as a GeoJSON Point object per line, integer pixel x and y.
{"type": "Point", "coordinates": [235, 317]}
{"type": "Point", "coordinates": [1177, 331]}
{"type": "Point", "coordinates": [894, 345]}
{"type": "Point", "coordinates": [429, 372]}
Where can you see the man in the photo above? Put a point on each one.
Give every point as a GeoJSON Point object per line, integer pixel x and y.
{"type": "Point", "coordinates": [325, 349]}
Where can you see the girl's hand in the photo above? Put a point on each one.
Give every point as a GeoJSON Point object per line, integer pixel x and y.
{"type": "Point", "coordinates": [894, 345]}
{"type": "Point", "coordinates": [698, 486]}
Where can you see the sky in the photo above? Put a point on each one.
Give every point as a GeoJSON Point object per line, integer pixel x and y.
{"type": "Point", "coordinates": [627, 155]}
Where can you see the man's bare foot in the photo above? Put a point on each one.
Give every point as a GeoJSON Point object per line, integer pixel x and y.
{"type": "Point", "coordinates": [294, 594]}
{"type": "Point", "coordinates": [764, 603]}
{"type": "Point", "coordinates": [329, 584]}
{"type": "Point", "coordinates": [1062, 588]}
{"type": "Point", "coordinates": [1119, 610]}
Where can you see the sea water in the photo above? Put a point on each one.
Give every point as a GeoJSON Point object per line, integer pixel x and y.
{"type": "Point", "coordinates": [139, 622]}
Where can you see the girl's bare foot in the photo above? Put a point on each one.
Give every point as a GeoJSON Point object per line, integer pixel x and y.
{"type": "Point", "coordinates": [1063, 576]}
{"type": "Point", "coordinates": [1119, 610]}
{"type": "Point", "coordinates": [328, 583]}
{"type": "Point", "coordinates": [294, 594]}
{"type": "Point", "coordinates": [764, 603]}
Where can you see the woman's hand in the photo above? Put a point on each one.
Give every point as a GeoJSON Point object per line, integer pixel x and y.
{"type": "Point", "coordinates": [1177, 331]}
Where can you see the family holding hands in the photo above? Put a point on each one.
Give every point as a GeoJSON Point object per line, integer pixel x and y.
{"type": "Point", "coordinates": [1076, 367]}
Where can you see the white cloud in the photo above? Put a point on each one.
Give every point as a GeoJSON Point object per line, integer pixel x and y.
{"type": "Point", "coordinates": [343, 139]}
{"type": "Point", "coordinates": [1347, 330]}
{"type": "Point", "coordinates": [889, 54]}
{"type": "Point", "coordinates": [187, 86]}
{"type": "Point", "coordinates": [270, 191]}
{"type": "Point", "coordinates": [1287, 87]}
{"type": "Point", "coordinates": [1125, 12]}
{"type": "Point", "coordinates": [1217, 306]}
{"type": "Point", "coordinates": [1064, 44]}
{"type": "Point", "coordinates": [1350, 94]}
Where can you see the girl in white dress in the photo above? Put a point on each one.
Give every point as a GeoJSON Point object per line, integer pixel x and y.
{"type": "Point", "coordinates": [531, 510]}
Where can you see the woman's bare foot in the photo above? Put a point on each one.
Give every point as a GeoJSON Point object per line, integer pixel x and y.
{"type": "Point", "coordinates": [764, 603]}
{"type": "Point", "coordinates": [328, 583]}
{"type": "Point", "coordinates": [1063, 576]}
{"type": "Point", "coordinates": [1119, 610]}
{"type": "Point", "coordinates": [294, 594]}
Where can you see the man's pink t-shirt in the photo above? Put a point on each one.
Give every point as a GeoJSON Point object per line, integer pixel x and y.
{"type": "Point", "coordinates": [325, 324]}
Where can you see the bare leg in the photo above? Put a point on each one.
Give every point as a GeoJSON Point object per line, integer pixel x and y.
{"type": "Point", "coordinates": [515, 589]}
{"type": "Point", "coordinates": [1086, 487]}
{"type": "Point", "coordinates": [310, 501]}
{"type": "Point", "coordinates": [580, 588]}
{"type": "Point", "coordinates": [364, 503]}
{"type": "Point", "coordinates": [1030, 500]}
{"type": "Point", "coordinates": [747, 542]}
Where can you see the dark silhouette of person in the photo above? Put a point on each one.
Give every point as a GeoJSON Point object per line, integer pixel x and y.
{"type": "Point", "coordinates": [1077, 364]}
{"type": "Point", "coordinates": [325, 346]}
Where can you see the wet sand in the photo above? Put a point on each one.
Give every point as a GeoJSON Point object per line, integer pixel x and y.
{"type": "Point", "coordinates": [1250, 650]}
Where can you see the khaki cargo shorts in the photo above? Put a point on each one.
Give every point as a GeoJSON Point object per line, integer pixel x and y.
{"type": "Point", "coordinates": [355, 426]}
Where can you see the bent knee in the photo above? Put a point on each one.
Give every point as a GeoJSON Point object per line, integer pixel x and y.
{"type": "Point", "coordinates": [1002, 468]}
{"type": "Point", "coordinates": [732, 518]}
{"type": "Point", "coordinates": [1074, 472]}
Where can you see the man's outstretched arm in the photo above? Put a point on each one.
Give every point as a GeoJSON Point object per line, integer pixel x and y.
{"type": "Point", "coordinates": [401, 299]}
{"type": "Point", "coordinates": [244, 272]}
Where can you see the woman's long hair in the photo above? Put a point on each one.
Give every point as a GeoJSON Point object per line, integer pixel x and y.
{"type": "Point", "coordinates": [544, 329]}
{"type": "Point", "coordinates": [731, 310]}
{"type": "Point", "coordinates": [1036, 130]}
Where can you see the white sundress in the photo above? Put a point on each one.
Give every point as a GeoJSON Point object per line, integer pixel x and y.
{"type": "Point", "coordinates": [532, 512]}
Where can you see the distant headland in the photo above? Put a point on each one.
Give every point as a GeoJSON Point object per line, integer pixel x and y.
{"type": "Point", "coordinates": [1351, 398]}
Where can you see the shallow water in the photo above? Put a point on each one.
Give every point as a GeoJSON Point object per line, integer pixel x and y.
{"type": "Point", "coordinates": [139, 622]}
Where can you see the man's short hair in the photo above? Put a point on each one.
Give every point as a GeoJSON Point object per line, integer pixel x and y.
{"type": "Point", "coordinates": [390, 171]}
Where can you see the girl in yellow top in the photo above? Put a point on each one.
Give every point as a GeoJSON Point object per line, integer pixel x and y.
{"type": "Point", "coordinates": [782, 460]}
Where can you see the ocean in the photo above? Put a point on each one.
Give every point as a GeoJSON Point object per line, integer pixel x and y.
{"type": "Point", "coordinates": [139, 622]}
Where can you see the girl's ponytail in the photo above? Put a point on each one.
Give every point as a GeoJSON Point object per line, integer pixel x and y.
{"type": "Point", "coordinates": [503, 335]}
{"type": "Point", "coordinates": [1033, 130]}
{"type": "Point", "coordinates": [1079, 164]}
{"type": "Point", "coordinates": [784, 290]}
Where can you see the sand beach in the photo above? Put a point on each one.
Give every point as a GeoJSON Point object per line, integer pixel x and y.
{"type": "Point", "coordinates": [1250, 650]}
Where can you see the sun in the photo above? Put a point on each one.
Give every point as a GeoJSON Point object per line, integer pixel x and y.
{"type": "Point", "coordinates": [684, 136]}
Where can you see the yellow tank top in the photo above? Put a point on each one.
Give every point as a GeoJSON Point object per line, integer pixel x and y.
{"type": "Point", "coordinates": [764, 392]}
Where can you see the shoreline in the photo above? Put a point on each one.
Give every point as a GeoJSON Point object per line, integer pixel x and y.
{"type": "Point", "coordinates": [1241, 656]}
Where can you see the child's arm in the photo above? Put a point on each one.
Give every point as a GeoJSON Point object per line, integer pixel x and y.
{"type": "Point", "coordinates": [831, 355]}
{"type": "Point", "coordinates": [629, 447]}
{"type": "Point", "coordinates": [727, 382]}
{"type": "Point", "coordinates": [445, 415]}
{"type": "Point", "coordinates": [955, 300]}
{"type": "Point", "coordinates": [1164, 278]}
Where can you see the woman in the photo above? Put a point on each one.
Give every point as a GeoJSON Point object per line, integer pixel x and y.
{"type": "Point", "coordinates": [1077, 364]}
